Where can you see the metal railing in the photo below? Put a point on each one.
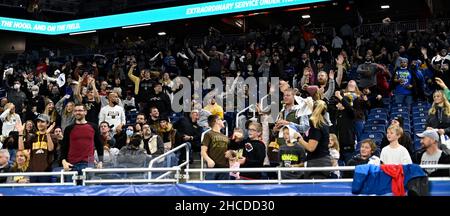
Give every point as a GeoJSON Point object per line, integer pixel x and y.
{"type": "Point", "coordinates": [177, 169]}
{"type": "Point", "coordinates": [280, 170]}
{"type": "Point", "coordinates": [242, 111]}
{"type": "Point", "coordinates": [261, 101]}
{"type": "Point", "coordinates": [186, 163]}
{"type": "Point", "coordinates": [129, 170]}
{"type": "Point", "coordinates": [61, 174]}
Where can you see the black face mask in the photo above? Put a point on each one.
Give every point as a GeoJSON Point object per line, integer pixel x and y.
{"type": "Point", "coordinates": [115, 103]}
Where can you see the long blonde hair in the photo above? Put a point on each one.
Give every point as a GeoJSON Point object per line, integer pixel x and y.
{"type": "Point", "coordinates": [67, 113]}
{"type": "Point", "coordinates": [22, 168]}
{"type": "Point", "coordinates": [317, 117]}
{"type": "Point", "coordinates": [357, 91]}
{"type": "Point", "coordinates": [52, 114]}
{"type": "Point", "coordinates": [335, 141]}
{"type": "Point", "coordinates": [446, 104]}
{"type": "Point", "coordinates": [10, 115]}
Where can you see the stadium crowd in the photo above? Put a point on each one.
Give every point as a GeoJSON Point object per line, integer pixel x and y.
{"type": "Point", "coordinates": [345, 99]}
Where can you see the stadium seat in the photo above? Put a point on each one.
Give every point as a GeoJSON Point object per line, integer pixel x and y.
{"type": "Point", "coordinates": [399, 105]}
{"type": "Point", "coordinates": [417, 144]}
{"type": "Point", "coordinates": [375, 136]}
{"type": "Point", "coordinates": [399, 109]}
{"type": "Point", "coordinates": [419, 114]}
{"type": "Point", "coordinates": [378, 111]}
{"type": "Point", "coordinates": [421, 103]}
{"type": "Point", "coordinates": [375, 129]}
{"type": "Point", "coordinates": [405, 116]}
{"type": "Point", "coordinates": [378, 116]}
{"type": "Point", "coordinates": [420, 109]}
{"type": "Point", "coordinates": [419, 120]}
{"type": "Point", "coordinates": [418, 128]}
{"type": "Point", "coordinates": [377, 121]}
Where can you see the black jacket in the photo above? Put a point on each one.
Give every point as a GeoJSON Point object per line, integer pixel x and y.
{"type": "Point", "coordinates": [439, 120]}
{"type": "Point", "coordinates": [5, 169]}
{"type": "Point", "coordinates": [444, 159]}
{"type": "Point", "coordinates": [160, 101]}
{"type": "Point", "coordinates": [254, 153]}
{"type": "Point", "coordinates": [344, 127]}
{"type": "Point", "coordinates": [185, 126]}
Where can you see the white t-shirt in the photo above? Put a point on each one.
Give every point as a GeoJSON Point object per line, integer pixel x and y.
{"type": "Point", "coordinates": [113, 115]}
{"type": "Point", "coordinates": [428, 159]}
{"type": "Point", "coordinates": [9, 125]}
{"type": "Point", "coordinates": [398, 155]}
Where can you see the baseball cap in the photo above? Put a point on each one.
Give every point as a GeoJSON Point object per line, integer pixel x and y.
{"type": "Point", "coordinates": [429, 133]}
{"type": "Point", "coordinates": [43, 117]}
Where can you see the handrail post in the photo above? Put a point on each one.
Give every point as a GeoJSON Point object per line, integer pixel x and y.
{"type": "Point", "coordinates": [84, 177]}
{"type": "Point", "coordinates": [262, 100]}
{"type": "Point", "coordinates": [279, 176]}
{"type": "Point", "coordinates": [184, 145]}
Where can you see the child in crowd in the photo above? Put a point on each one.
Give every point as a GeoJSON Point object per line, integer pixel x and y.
{"type": "Point", "coordinates": [291, 154]}
{"type": "Point", "coordinates": [333, 147]}
{"type": "Point", "coordinates": [395, 153]}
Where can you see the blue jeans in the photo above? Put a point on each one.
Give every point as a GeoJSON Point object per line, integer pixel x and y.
{"type": "Point", "coordinates": [403, 99]}
{"type": "Point", "coordinates": [359, 128]}
{"type": "Point", "coordinates": [217, 176]}
{"type": "Point", "coordinates": [79, 168]}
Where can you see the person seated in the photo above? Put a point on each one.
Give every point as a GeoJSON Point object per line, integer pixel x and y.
{"type": "Point", "coordinates": [20, 165]}
{"type": "Point", "coordinates": [365, 156]}
{"type": "Point", "coordinates": [132, 155]}
{"type": "Point", "coordinates": [430, 154]}
{"type": "Point", "coordinates": [4, 163]}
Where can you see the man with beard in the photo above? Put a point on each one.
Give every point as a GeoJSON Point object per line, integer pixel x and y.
{"type": "Point", "coordinates": [404, 82]}
{"type": "Point", "coordinates": [79, 143]}
{"type": "Point", "coordinates": [367, 72]}
{"type": "Point", "coordinates": [430, 154]}
{"type": "Point", "coordinates": [214, 108]}
{"type": "Point", "coordinates": [140, 120]}
{"type": "Point", "coordinates": [326, 86]}
{"type": "Point", "coordinates": [113, 113]}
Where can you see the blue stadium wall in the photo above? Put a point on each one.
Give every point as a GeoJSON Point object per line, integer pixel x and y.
{"type": "Point", "coordinates": [198, 189]}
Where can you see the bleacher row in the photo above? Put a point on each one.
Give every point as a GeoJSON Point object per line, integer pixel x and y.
{"type": "Point", "coordinates": [414, 121]}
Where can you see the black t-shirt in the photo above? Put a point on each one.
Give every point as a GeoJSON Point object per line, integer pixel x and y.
{"type": "Point", "coordinates": [93, 109]}
{"type": "Point", "coordinates": [291, 155]}
{"type": "Point", "coordinates": [322, 135]}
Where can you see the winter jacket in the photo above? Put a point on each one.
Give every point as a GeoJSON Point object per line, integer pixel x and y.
{"type": "Point", "coordinates": [444, 159]}
{"type": "Point", "coordinates": [439, 120]}
{"type": "Point", "coordinates": [185, 126]}
{"type": "Point", "coordinates": [344, 127]}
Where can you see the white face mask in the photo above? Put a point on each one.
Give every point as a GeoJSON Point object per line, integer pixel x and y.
{"type": "Point", "coordinates": [35, 93]}
{"type": "Point", "coordinates": [17, 86]}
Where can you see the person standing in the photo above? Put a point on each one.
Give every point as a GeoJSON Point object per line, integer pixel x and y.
{"type": "Point", "coordinates": [41, 157]}
{"type": "Point", "coordinates": [80, 142]}
{"type": "Point", "coordinates": [394, 153]}
{"type": "Point", "coordinates": [214, 146]}
{"type": "Point", "coordinates": [113, 113]}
